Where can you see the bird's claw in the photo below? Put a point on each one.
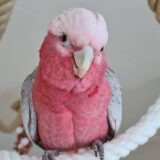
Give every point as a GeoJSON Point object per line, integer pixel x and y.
{"type": "Point", "coordinates": [97, 147]}
{"type": "Point", "coordinates": [50, 155]}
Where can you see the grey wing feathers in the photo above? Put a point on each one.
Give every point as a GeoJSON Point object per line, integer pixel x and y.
{"type": "Point", "coordinates": [115, 107]}
{"type": "Point", "coordinates": [27, 109]}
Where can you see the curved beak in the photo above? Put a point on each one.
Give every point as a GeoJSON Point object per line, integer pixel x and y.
{"type": "Point", "coordinates": [83, 60]}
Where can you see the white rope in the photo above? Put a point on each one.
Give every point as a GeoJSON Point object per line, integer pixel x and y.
{"type": "Point", "coordinates": [6, 155]}
{"type": "Point", "coordinates": [120, 147]}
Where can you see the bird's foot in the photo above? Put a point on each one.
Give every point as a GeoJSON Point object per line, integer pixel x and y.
{"type": "Point", "coordinates": [50, 155]}
{"type": "Point", "coordinates": [97, 147]}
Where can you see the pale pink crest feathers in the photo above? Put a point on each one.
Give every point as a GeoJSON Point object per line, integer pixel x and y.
{"type": "Point", "coordinates": [89, 27]}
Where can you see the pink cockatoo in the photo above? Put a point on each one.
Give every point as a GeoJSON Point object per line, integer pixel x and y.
{"type": "Point", "coordinates": [72, 99]}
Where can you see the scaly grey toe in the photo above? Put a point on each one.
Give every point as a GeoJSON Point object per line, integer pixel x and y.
{"type": "Point", "coordinates": [97, 146]}
{"type": "Point", "coordinates": [50, 155]}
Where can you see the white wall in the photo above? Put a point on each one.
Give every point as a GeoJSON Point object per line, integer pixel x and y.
{"type": "Point", "coordinates": [133, 52]}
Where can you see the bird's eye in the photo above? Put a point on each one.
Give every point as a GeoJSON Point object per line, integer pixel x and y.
{"type": "Point", "coordinates": [102, 49]}
{"type": "Point", "coordinates": [65, 40]}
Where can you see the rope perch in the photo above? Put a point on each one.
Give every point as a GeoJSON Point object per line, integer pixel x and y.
{"type": "Point", "coordinates": [15, 123]}
{"type": "Point", "coordinates": [155, 7]}
{"type": "Point", "coordinates": [6, 7]}
{"type": "Point", "coordinates": [119, 147]}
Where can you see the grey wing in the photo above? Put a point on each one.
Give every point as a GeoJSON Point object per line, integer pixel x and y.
{"type": "Point", "coordinates": [29, 116]}
{"type": "Point", "coordinates": [115, 107]}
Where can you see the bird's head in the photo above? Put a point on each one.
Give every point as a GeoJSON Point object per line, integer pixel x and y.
{"type": "Point", "coordinates": [72, 55]}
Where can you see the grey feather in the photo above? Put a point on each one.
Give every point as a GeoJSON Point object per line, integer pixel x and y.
{"type": "Point", "coordinates": [29, 116]}
{"type": "Point", "coordinates": [115, 107]}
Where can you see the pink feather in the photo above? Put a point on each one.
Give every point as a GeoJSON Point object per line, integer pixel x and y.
{"type": "Point", "coordinates": [71, 112]}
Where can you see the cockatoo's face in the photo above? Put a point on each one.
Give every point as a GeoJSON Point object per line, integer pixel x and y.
{"type": "Point", "coordinates": [72, 55]}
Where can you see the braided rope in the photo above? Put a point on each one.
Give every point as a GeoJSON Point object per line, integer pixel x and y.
{"type": "Point", "coordinates": [120, 147]}
{"type": "Point", "coordinates": [155, 7]}
{"type": "Point", "coordinates": [6, 7]}
{"type": "Point", "coordinates": [15, 123]}
{"type": "Point", "coordinates": [6, 155]}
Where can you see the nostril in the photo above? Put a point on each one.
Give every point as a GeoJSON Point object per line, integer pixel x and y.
{"type": "Point", "coordinates": [76, 76]}
{"type": "Point", "coordinates": [78, 48]}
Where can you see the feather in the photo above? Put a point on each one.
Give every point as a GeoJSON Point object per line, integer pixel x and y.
{"type": "Point", "coordinates": [29, 116]}
{"type": "Point", "coordinates": [115, 108]}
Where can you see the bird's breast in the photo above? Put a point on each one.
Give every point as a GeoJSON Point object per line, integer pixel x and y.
{"type": "Point", "coordinates": [74, 120]}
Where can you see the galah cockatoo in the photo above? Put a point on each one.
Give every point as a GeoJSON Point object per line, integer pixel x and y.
{"type": "Point", "coordinates": [72, 99]}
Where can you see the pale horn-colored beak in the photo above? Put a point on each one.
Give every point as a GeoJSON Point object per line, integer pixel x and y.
{"type": "Point", "coordinates": [83, 60]}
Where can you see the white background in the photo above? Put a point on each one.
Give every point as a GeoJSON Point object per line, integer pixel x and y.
{"type": "Point", "coordinates": [133, 51]}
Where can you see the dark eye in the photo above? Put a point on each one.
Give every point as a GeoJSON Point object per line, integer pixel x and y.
{"type": "Point", "coordinates": [102, 49]}
{"type": "Point", "coordinates": [64, 38]}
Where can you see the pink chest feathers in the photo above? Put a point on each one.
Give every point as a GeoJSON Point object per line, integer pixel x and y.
{"type": "Point", "coordinates": [67, 121]}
